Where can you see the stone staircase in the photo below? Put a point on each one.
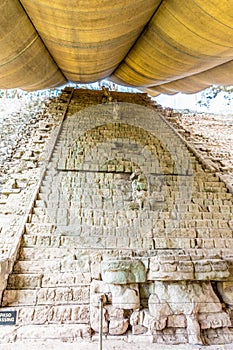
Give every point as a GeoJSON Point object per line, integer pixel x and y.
{"type": "Point", "coordinates": [49, 286]}
{"type": "Point", "coordinates": [61, 254]}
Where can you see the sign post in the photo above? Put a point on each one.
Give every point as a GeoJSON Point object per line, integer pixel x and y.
{"type": "Point", "coordinates": [101, 323]}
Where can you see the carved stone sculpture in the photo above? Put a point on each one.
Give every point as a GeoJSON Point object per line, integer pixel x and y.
{"type": "Point", "coordinates": [176, 299]}
{"type": "Point", "coordinates": [180, 299]}
{"type": "Point", "coordinates": [123, 271]}
{"type": "Point", "coordinates": [139, 189]}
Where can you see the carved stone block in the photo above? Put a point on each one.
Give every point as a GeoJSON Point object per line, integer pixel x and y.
{"type": "Point", "coordinates": [214, 320]}
{"type": "Point", "coordinates": [123, 271]}
{"type": "Point", "coordinates": [118, 326]}
{"type": "Point", "coordinates": [125, 296]}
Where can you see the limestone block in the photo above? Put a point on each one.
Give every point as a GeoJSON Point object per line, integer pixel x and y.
{"type": "Point", "coordinates": [211, 270]}
{"type": "Point", "coordinates": [142, 321]}
{"type": "Point", "coordinates": [25, 315]}
{"type": "Point", "coordinates": [214, 320]}
{"type": "Point", "coordinates": [21, 281]}
{"type": "Point", "coordinates": [159, 310]}
{"type": "Point", "coordinates": [99, 289]}
{"type": "Point", "coordinates": [80, 314]}
{"type": "Point", "coordinates": [186, 267]}
{"type": "Point", "coordinates": [125, 296]}
{"type": "Point", "coordinates": [60, 332]}
{"type": "Point", "coordinates": [202, 266]}
{"type": "Point", "coordinates": [118, 327]}
{"type": "Point", "coordinates": [19, 297]}
{"type": "Point", "coordinates": [96, 266]}
{"type": "Point", "coordinates": [164, 268]}
{"type": "Point", "coordinates": [65, 279]}
{"type": "Point", "coordinates": [46, 296]}
{"type": "Point", "coordinates": [139, 320]}
{"type": "Point", "coordinates": [5, 267]}
{"type": "Point", "coordinates": [78, 263]}
{"type": "Point", "coordinates": [123, 271]}
{"type": "Point", "coordinates": [81, 294]}
{"type": "Point", "coordinates": [176, 321]}
{"type": "Point", "coordinates": [41, 315]}
{"type": "Point", "coordinates": [95, 319]}
{"type": "Point", "coordinates": [185, 297]}
{"type": "Point", "coordinates": [168, 266]}
{"type": "Point", "coordinates": [57, 295]}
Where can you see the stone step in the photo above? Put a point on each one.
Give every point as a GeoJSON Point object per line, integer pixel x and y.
{"type": "Point", "coordinates": [127, 240]}
{"type": "Point", "coordinates": [54, 279]}
{"type": "Point", "coordinates": [203, 203]}
{"type": "Point", "coordinates": [197, 207]}
{"type": "Point", "coordinates": [40, 253]}
{"type": "Point", "coordinates": [47, 296]}
{"type": "Point", "coordinates": [199, 210]}
{"type": "Point", "coordinates": [50, 314]}
{"type": "Point", "coordinates": [37, 267]}
{"type": "Point", "coordinates": [124, 238]}
{"type": "Point", "coordinates": [71, 263]}
{"type": "Point", "coordinates": [49, 190]}
{"type": "Point", "coordinates": [40, 219]}
{"type": "Point", "coordinates": [24, 281]}
{"type": "Point", "coordinates": [107, 225]}
{"type": "Point", "coordinates": [40, 229]}
{"type": "Point", "coordinates": [45, 332]}
{"type": "Point", "coordinates": [187, 243]}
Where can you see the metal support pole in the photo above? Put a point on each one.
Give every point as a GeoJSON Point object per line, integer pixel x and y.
{"type": "Point", "coordinates": [101, 323]}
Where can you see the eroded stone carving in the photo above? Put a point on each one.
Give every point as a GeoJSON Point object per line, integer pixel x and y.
{"type": "Point", "coordinates": [125, 296]}
{"type": "Point", "coordinates": [98, 289]}
{"type": "Point", "coordinates": [123, 271]}
{"type": "Point", "coordinates": [174, 303]}
{"type": "Point", "coordinates": [139, 189]}
{"type": "Point", "coordinates": [186, 267]}
{"type": "Point", "coordinates": [117, 300]}
{"type": "Point", "coordinates": [192, 305]}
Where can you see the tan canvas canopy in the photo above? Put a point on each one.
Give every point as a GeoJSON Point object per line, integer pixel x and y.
{"type": "Point", "coordinates": [160, 46]}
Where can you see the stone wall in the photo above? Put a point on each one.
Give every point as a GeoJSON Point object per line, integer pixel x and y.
{"type": "Point", "coordinates": [127, 214]}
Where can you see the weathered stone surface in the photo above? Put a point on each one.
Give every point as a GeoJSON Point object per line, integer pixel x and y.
{"type": "Point", "coordinates": [63, 332]}
{"type": "Point", "coordinates": [98, 290]}
{"type": "Point", "coordinates": [19, 297]}
{"type": "Point", "coordinates": [122, 271]}
{"type": "Point", "coordinates": [126, 216]}
{"type": "Point", "coordinates": [211, 269]}
{"type": "Point", "coordinates": [173, 268]}
{"type": "Point", "coordinates": [21, 281]}
{"type": "Point", "coordinates": [95, 319]}
{"type": "Point", "coordinates": [118, 327]}
{"type": "Point", "coordinates": [67, 295]}
{"type": "Point", "coordinates": [225, 289]}
{"type": "Point", "coordinates": [160, 310]}
{"type": "Point", "coordinates": [214, 320]}
{"type": "Point", "coordinates": [190, 305]}
{"type": "Point", "coordinates": [176, 321]}
{"type": "Point", "coordinates": [188, 297]}
{"type": "Point", "coordinates": [125, 296]}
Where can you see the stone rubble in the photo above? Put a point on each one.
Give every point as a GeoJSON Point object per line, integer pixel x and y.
{"type": "Point", "coordinates": [210, 134]}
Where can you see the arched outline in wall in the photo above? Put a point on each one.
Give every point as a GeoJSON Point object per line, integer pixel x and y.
{"type": "Point", "coordinates": [135, 116]}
